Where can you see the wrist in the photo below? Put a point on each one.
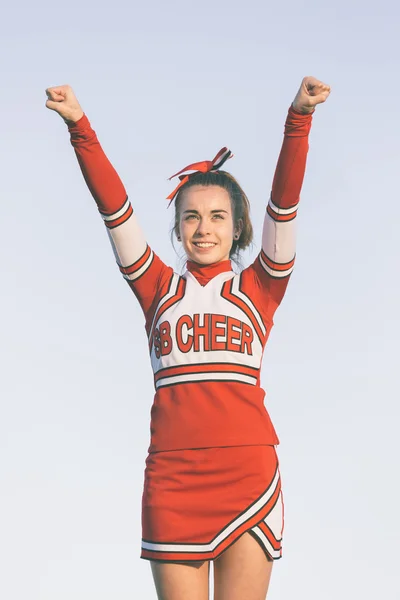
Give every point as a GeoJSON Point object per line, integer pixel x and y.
{"type": "Point", "coordinates": [79, 128]}
{"type": "Point", "coordinates": [302, 110]}
{"type": "Point", "coordinates": [74, 117]}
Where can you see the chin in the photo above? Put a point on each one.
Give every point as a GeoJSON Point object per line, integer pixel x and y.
{"type": "Point", "coordinates": [206, 260]}
{"type": "Point", "coordinates": [202, 260]}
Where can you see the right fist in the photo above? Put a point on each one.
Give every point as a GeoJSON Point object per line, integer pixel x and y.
{"type": "Point", "coordinates": [63, 100]}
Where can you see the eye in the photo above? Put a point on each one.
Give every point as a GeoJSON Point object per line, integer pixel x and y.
{"type": "Point", "coordinates": [189, 217]}
{"type": "Point", "coordinates": [219, 216]}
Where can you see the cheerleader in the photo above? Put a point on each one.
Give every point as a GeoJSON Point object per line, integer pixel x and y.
{"type": "Point", "coordinates": [212, 487]}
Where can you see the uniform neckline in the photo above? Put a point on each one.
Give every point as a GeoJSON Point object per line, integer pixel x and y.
{"type": "Point", "coordinates": [204, 273]}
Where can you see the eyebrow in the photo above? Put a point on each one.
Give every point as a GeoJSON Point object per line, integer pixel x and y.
{"type": "Point", "coordinates": [218, 210]}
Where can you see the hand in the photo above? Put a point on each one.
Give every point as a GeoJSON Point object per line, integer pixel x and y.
{"type": "Point", "coordinates": [311, 92]}
{"type": "Point", "coordinates": [63, 100]}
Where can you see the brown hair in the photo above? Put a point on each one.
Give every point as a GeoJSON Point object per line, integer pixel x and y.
{"type": "Point", "coordinates": [240, 204]}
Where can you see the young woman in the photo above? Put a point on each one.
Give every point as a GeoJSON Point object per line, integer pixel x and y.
{"type": "Point", "coordinates": [212, 487]}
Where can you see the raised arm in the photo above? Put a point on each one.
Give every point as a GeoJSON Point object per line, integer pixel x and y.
{"type": "Point", "coordinates": [143, 270]}
{"type": "Point", "coordinates": [274, 264]}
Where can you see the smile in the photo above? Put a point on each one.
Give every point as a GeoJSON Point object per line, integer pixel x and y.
{"type": "Point", "coordinates": [204, 244]}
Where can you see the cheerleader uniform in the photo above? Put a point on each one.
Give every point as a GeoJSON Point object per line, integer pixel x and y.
{"type": "Point", "coordinates": [212, 471]}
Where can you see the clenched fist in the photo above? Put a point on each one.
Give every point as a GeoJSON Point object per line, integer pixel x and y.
{"type": "Point", "coordinates": [311, 93]}
{"type": "Point", "coordinates": [63, 100]}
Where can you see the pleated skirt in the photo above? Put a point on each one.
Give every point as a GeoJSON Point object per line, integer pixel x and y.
{"type": "Point", "coordinates": [196, 503]}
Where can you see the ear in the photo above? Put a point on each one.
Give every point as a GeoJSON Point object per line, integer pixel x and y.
{"type": "Point", "coordinates": [238, 229]}
{"type": "Point", "coordinates": [178, 235]}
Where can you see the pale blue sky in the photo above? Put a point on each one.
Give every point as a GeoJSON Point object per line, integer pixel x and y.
{"type": "Point", "coordinates": [164, 84]}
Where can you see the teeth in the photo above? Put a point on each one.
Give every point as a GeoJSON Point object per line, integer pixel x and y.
{"type": "Point", "coordinates": [204, 244]}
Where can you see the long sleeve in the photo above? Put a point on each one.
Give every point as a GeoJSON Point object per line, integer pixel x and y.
{"type": "Point", "coordinates": [275, 262]}
{"type": "Point", "coordinates": [142, 269]}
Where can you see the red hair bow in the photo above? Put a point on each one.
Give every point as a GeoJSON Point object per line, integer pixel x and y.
{"type": "Point", "coordinates": [203, 167]}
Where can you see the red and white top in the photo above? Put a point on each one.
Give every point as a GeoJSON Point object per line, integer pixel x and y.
{"type": "Point", "coordinates": [207, 328]}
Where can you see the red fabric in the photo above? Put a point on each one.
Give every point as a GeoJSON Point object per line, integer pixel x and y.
{"type": "Point", "coordinates": [101, 178]}
{"type": "Point", "coordinates": [202, 167]}
{"type": "Point", "coordinates": [191, 496]}
{"type": "Point", "coordinates": [207, 413]}
{"type": "Point", "coordinates": [210, 414]}
{"type": "Point", "coordinates": [290, 169]}
{"type": "Point", "coordinates": [204, 273]}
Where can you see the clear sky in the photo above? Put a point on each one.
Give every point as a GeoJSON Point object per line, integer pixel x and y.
{"type": "Point", "coordinates": [165, 84]}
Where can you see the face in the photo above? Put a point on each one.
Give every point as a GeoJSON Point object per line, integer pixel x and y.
{"type": "Point", "coordinates": [206, 224]}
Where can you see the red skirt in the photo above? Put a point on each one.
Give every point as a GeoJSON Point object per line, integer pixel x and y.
{"type": "Point", "coordinates": [196, 503]}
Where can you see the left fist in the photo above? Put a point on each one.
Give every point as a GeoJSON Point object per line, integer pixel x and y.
{"type": "Point", "coordinates": [311, 92]}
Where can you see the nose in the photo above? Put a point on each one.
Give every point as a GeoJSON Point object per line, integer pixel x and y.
{"type": "Point", "coordinates": [203, 228]}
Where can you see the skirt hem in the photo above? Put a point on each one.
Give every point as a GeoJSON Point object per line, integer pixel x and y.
{"type": "Point", "coordinates": [184, 541]}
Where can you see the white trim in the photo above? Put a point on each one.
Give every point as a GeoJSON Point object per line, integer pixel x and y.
{"type": "Point", "coordinates": [235, 291]}
{"type": "Point", "coordinates": [173, 289]}
{"type": "Point", "coordinates": [220, 376]}
{"type": "Point", "coordinates": [118, 213]}
{"type": "Point", "coordinates": [283, 211]}
{"type": "Point", "coordinates": [136, 274]}
{"type": "Point", "coordinates": [274, 272]}
{"type": "Point", "coordinates": [266, 543]}
{"type": "Point", "coordinates": [225, 156]}
{"type": "Point", "coordinates": [274, 520]}
{"type": "Point", "coordinates": [255, 508]}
